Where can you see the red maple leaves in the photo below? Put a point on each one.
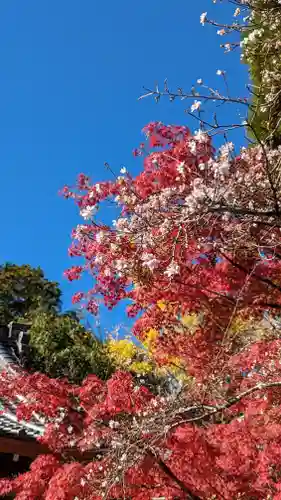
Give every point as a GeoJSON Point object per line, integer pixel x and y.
{"type": "Point", "coordinates": [198, 234]}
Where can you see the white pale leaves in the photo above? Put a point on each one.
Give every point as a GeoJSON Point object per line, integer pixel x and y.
{"type": "Point", "coordinates": [172, 269]}
{"type": "Point", "coordinates": [203, 18]}
{"type": "Point", "coordinates": [88, 212]}
{"type": "Point", "coordinates": [150, 261]}
{"type": "Point", "coordinates": [181, 168]}
{"type": "Point", "coordinates": [195, 106]}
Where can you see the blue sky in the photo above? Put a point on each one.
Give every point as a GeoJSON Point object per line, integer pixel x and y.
{"type": "Point", "coordinates": [70, 75]}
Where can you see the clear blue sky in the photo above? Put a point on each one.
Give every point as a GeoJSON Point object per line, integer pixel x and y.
{"type": "Point", "coordinates": [70, 75]}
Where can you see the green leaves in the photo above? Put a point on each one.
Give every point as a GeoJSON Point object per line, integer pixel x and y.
{"type": "Point", "coordinates": [24, 290]}
{"type": "Point", "coordinates": [61, 347]}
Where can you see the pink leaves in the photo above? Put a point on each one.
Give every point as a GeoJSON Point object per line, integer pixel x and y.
{"type": "Point", "coordinates": [228, 458]}
{"type": "Point", "coordinates": [6, 487]}
{"type": "Point", "coordinates": [74, 273]}
{"type": "Point", "coordinates": [92, 307]}
{"type": "Point", "coordinates": [122, 396]}
{"type": "Point", "coordinates": [33, 484]}
{"type": "Point", "coordinates": [91, 392]}
{"type": "Point", "coordinates": [77, 297]}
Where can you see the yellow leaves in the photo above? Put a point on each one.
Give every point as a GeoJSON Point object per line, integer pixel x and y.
{"type": "Point", "coordinates": [162, 305]}
{"type": "Point", "coordinates": [141, 367]}
{"type": "Point", "coordinates": [190, 321]}
{"type": "Point", "coordinates": [150, 337]}
{"type": "Point", "coordinates": [175, 360]}
{"type": "Point", "coordinates": [182, 376]}
{"type": "Point", "coordinates": [121, 351]}
{"type": "Point", "coordinates": [245, 330]}
{"type": "Point", "coordinates": [127, 355]}
{"type": "Point", "coordinates": [170, 307]}
{"type": "Point", "coordinates": [176, 367]}
{"type": "Point", "coordinates": [140, 359]}
{"type": "Point", "coordinates": [239, 325]}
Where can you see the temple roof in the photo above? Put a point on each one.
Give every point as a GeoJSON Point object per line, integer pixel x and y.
{"type": "Point", "coordinates": [13, 343]}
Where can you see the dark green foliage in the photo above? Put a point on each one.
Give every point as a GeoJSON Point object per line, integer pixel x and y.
{"type": "Point", "coordinates": [61, 347]}
{"type": "Point", "coordinates": [24, 290]}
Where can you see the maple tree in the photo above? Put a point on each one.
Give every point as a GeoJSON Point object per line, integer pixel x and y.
{"type": "Point", "coordinates": [196, 249]}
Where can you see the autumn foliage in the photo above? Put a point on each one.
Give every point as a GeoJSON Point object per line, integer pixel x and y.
{"type": "Point", "coordinates": [195, 249]}
{"type": "Point", "coordinates": [198, 234]}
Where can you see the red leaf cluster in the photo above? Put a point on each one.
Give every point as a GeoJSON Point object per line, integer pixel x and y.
{"type": "Point", "coordinates": [198, 234]}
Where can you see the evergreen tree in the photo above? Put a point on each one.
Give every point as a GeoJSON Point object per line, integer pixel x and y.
{"type": "Point", "coordinates": [62, 347]}
{"type": "Point", "coordinates": [24, 290]}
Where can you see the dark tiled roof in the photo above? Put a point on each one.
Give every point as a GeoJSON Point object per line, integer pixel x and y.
{"type": "Point", "coordinates": [7, 356]}
{"type": "Point", "coordinates": [9, 425]}
{"type": "Point", "coordinates": [10, 361]}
